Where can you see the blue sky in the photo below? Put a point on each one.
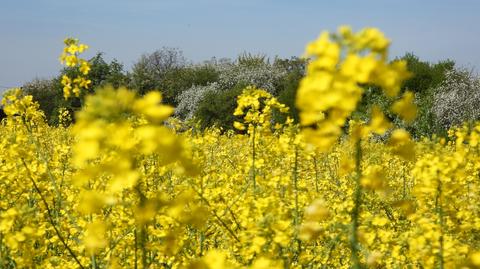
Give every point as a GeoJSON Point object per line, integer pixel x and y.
{"type": "Point", "coordinates": [32, 31]}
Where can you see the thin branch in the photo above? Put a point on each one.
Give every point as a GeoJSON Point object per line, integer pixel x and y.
{"type": "Point", "coordinates": [50, 217]}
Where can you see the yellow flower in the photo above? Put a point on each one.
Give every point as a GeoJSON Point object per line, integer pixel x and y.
{"type": "Point", "coordinates": [475, 259]}
{"type": "Point", "coordinates": [95, 239]}
{"type": "Point", "coordinates": [70, 57]}
{"type": "Point", "coordinates": [405, 107]}
{"type": "Point", "coordinates": [238, 125]}
{"type": "Point", "coordinates": [330, 92]}
{"type": "Point", "coordinates": [84, 67]}
{"type": "Point", "coordinates": [402, 144]}
{"type": "Point", "coordinates": [374, 178]}
{"type": "Point", "coordinates": [91, 202]}
{"type": "Point", "coordinates": [379, 124]}
{"type": "Point", "coordinates": [150, 106]}
{"type": "Point", "coordinates": [317, 211]}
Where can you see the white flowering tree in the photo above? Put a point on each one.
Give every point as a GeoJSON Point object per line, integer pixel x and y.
{"type": "Point", "coordinates": [457, 99]}
{"type": "Point", "coordinates": [262, 75]}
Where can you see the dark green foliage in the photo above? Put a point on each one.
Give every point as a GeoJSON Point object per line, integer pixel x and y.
{"type": "Point", "coordinates": [166, 70]}
{"type": "Point", "coordinates": [252, 60]}
{"type": "Point", "coordinates": [178, 80]}
{"type": "Point", "coordinates": [217, 108]}
{"type": "Point", "coordinates": [49, 93]}
{"type": "Point", "coordinates": [425, 124]}
{"type": "Point", "coordinates": [372, 96]}
{"type": "Point", "coordinates": [142, 78]}
{"type": "Point", "coordinates": [151, 69]}
{"type": "Point", "coordinates": [288, 94]}
{"type": "Point", "coordinates": [103, 73]}
{"type": "Point", "coordinates": [426, 77]}
{"type": "Point", "coordinates": [287, 87]}
{"type": "Point", "coordinates": [2, 114]}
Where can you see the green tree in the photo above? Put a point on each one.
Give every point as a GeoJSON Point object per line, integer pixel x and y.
{"type": "Point", "coordinates": [426, 77]}
{"type": "Point", "coordinates": [150, 70]}
{"type": "Point", "coordinates": [48, 92]}
{"type": "Point", "coordinates": [216, 108]}
{"type": "Point", "coordinates": [178, 80]}
{"type": "Point", "coordinates": [288, 85]}
{"type": "Point", "coordinates": [425, 74]}
{"type": "Point", "coordinates": [424, 82]}
{"type": "Point", "coordinates": [103, 73]}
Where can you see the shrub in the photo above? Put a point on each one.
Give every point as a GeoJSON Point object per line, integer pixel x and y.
{"type": "Point", "coordinates": [231, 76]}
{"type": "Point", "coordinates": [176, 81]}
{"type": "Point", "coordinates": [48, 93]}
{"type": "Point", "coordinates": [217, 107]}
{"type": "Point", "coordinates": [456, 99]}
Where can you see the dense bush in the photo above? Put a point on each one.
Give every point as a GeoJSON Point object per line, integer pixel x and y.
{"type": "Point", "coordinates": [260, 74]}
{"type": "Point", "coordinates": [48, 92]}
{"type": "Point", "coordinates": [425, 79]}
{"type": "Point", "coordinates": [216, 108]}
{"type": "Point", "coordinates": [247, 70]}
{"type": "Point", "coordinates": [425, 75]}
{"type": "Point", "coordinates": [176, 81]}
{"type": "Point", "coordinates": [2, 114]}
{"type": "Point", "coordinates": [424, 82]}
{"type": "Point", "coordinates": [457, 99]}
{"type": "Point", "coordinates": [287, 86]}
{"type": "Point", "coordinates": [188, 100]}
{"type": "Point", "coordinates": [149, 71]}
{"type": "Point", "coordinates": [186, 86]}
{"type": "Point", "coordinates": [103, 73]}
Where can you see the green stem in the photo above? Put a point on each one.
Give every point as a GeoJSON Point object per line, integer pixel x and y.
{"type": "Point", "coordinates": [219, 219]}
{"type": "Point", "coordinates": [315, 165]}
{"type": "Point", "coordinates": [354, 244]}
{"type": "Point", "coordinates": [135, 249]}
{"type": "Point", "coordinates": [439, 209]}
{"type": "Point", "coordinates": [202, 241]}
{"type": "Point", "coordinates": [92, 258]}
{"type": "Point", "coordinates": [253, 174]}
{"type": "Point", "coordinates": [93, 261]}
{"type": "Point", "coordinates": [143, 231]}
{"type": "Point", "coordinates": [1, 251]}
{"type": "Point", "coordinates": [295, 187]}
{"type": "Point", "coordinates": [404, 182]}
{"type": "Point", "coordinates": [50, 216]}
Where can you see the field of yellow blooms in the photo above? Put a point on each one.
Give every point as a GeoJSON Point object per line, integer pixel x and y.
{"type": "Point", "coordinates": [126, 186]}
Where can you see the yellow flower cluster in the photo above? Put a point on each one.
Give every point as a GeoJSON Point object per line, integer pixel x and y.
{"type": "Point", "coordinates": [121, 189]}
{"type": "Point", "coordinates": [70, 57]}
{"type": "Point", "coordinates": [342, 64]}
{"type": "Point", "coordinates": [257, 107]}
{"type": "Point", "coordinates": [21, 108]}
{"type": "Point", "coordinates": [64, 117]}
{"type": "Point", "coordinates": [109, 167]}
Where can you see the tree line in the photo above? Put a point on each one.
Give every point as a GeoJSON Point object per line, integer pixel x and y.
{"type": "Point", "coordinates": [205, 93]}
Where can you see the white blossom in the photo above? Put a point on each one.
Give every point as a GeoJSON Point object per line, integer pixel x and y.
{"type": "Point", "coordinates": [263, 76]}
{"type": "Point", "coordinates": [457, 99]}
